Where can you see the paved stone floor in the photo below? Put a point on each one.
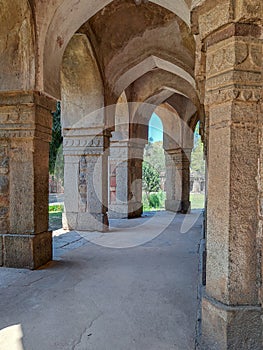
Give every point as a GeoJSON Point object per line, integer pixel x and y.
{"type": "Point", "coordinates": [113, 291]}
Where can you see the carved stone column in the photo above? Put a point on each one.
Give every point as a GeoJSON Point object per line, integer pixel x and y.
{"type": "Point", "coordinates": [186, 160]}
{"type": "Point", "coordinates": [86, 180]}
{"type": "Point", "coordinates": [25, 133]}
{"type": "Point", "coordinates": [178, 180]}
{"type": "Point", "coordinates": [232, 306]}
{"type": "Point", "coordinates": [173, 162]}
{"type": "Point", "coordinates": [119, 180]}
{"type": "Point", "coordinates": [136, 152]}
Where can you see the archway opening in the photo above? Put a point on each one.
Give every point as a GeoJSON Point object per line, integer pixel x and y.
{"type": "Point", "coordinates": [154, 172]}
{"type": "Point", "coordinates": [197, 172]}
{"type": "Point", "coordinates": [56, 173]}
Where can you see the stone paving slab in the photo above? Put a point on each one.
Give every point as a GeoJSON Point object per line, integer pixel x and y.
{"type": "Point", "coordinates": [99, 298]}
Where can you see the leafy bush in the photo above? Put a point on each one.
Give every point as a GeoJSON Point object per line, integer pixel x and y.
{"type": "Point", "coordinates": [56, 208]}
{"type": "Point", "coordinates": [153, 201]}
{"type": "Point", "coordinates": [150, 178]}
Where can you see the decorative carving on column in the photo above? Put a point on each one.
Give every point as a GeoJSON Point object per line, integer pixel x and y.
{"type": "Point", "coordinates": [136, 152]}
{"type": "Point", "coordinates": [232, 311]}
{"type": "Point", "coordinates": [25, 133]}
{"type": "Point", "coordinates": [86, 176]}
{"type": "Point", "coordinates": [83, 183]}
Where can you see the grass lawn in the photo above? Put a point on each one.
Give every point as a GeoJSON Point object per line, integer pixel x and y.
{"type": "Point", "coordinates": [55, 211]}
{"type": "Point", "coordinates": [55, 216]}
{"type": "Point", "coordinates": [197, 200]}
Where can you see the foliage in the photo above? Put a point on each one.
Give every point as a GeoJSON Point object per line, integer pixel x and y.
{"type": "Point", "coordinates": [153, 166]}
{"type": "Point", "coordinates": [150, 178]}
{"type": "Point", "coordinates": [197, 159]}
{"type": "Point", "coordinates": [154, 155]}
{"type": "Point", "coordinates": [154, 201]}
{"type": "Point", "coordinates": [55, 208]}
{"type": "Point", "coordinates": [56, 139]}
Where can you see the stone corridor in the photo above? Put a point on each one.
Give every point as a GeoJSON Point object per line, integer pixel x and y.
{"type": "Point", "coordinates": [108, 65]}
{"type": "Point", "coordinates": [95, 297]}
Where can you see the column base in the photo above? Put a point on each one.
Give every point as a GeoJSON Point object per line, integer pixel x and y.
{"type": "Point", "coordinates": [230, 327]}
{"type": "Point", "coordinates": [135, 210]}
{"type": "Point", "coordinates": [26, 251]}
{"type": "Point", "coordinates": [85, 222]}
{"type": "Point", "coordinates": [118, 211]}
{"type": "Point", "coordinates": [183, 207]}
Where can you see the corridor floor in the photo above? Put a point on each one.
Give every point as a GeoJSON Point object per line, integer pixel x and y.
{"type": "Point", "coordinates": [132, 288]}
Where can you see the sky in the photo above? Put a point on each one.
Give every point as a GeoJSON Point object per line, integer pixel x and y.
{"type": "Point", "coordinates": [155, 129]}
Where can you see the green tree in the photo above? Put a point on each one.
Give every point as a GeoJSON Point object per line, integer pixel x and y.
{"type": "Point", "coordinates": [56, 159]}
{"type": "Point", "coordinates": [150, 179]}
{"type": "Point", "coordinates": [197, 159]}
{"type": "Point", "coordinates": [154, 155]}
{"type": "Point", "coordinates": [56, 139]}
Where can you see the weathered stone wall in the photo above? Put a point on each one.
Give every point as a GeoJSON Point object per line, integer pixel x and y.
{"type": "Point", "coordinates": [17, 46]}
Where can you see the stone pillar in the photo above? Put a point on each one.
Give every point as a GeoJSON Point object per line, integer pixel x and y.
{"type": "Point", "coordinates": [177, 180]}
{"type": "Point", "coordinates": [119, 179]}
{"type": "Point", "coordinates": [86, 180]}
{"type": "Point", "coordinates": [25, 133]}
{"type": "Point", "coordinates": [126, 159]}
{"type": "Point", "coordinates": [136, 152]}
{"type": "Point", "coordinates": [173, 162]}
{"type": "Point", "coordinates": [231, 308]}
{"type": "Point", "coordinates": [186, 160]}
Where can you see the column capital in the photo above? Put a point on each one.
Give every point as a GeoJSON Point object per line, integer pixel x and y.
{"type": "Point", "coordinates": [90, 141]}
{"type": "Point", "coordinates": [212, 15]}
{"type": "Point", "coordinates": [234, 71]}
{"type": "Point", "coordinates": [26, 114]}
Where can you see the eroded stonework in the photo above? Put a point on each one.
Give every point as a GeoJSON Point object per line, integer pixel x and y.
{"type": "Point", "coordinates": [200, 61]}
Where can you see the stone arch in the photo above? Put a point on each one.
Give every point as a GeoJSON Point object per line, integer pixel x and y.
{"type": "Point", "coordinates": [17, 46]}
{"type": "Point", "coordinates": [122, 118]}
{"type": "Point", "coordinates": [153, 82]}
{"type": "Point", "coordinates": [66, 20]}
{"type": "Point", "coordinates": [192, 122]}
{"type": "Point", "coordinates": [178, 137]}
{"type": "Point", "coordinates": [150, 96]}
{"type": "Point", "coordinates": [147, 65]}
{"type": "Point", "coordinates": [81, 85]}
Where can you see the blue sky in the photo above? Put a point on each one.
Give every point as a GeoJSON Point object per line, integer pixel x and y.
{"type": "Point", "coordinates": [155, 128]}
